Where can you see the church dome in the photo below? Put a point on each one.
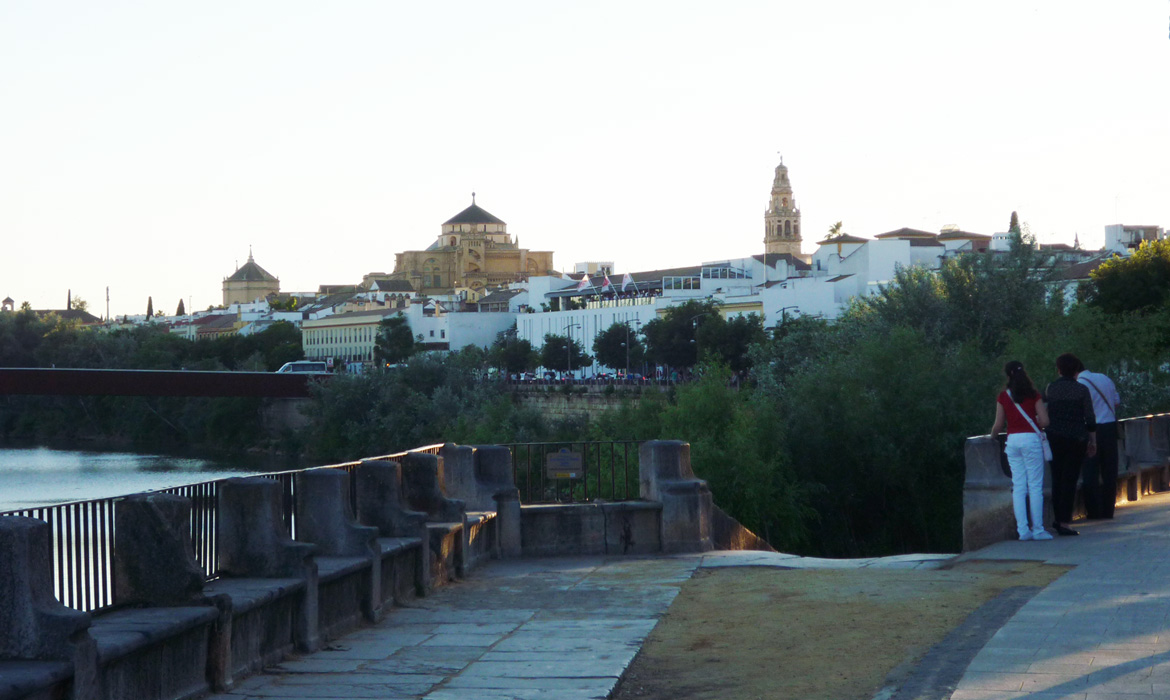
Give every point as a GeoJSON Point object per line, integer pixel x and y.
{"type": "Point", "coordinates": [251, 272]}
{"type": "Point", "coordinates": [474, 214]}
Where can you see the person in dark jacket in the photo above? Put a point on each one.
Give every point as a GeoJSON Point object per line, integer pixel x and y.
{"type": "Point", "coordinates": [1072, 434]}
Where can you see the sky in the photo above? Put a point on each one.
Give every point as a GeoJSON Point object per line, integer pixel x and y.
{"type": "Point", "coordinates": [146, 146]}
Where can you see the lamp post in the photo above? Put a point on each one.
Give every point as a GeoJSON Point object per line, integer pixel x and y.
{"type": "Point", "coordinates": [569, 348]}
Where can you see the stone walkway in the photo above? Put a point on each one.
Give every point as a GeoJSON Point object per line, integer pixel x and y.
{"type": "Point", "coordinates": [1100, 631]}
{"type": "Point", "coordinates": [567, 628]}
{"type": "Point", "coordinates": [533, 628]}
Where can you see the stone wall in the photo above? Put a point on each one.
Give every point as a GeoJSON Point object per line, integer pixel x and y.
{"type": "Point", "coordinates": [585, 402]}
{"type": "Point", "coordinates": [1143, 468]}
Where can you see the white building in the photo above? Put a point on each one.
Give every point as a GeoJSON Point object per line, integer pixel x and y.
{"type": "Point", "coordinates": [1123, 239]}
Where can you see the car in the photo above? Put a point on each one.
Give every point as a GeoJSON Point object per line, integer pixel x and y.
{"type": "Point", "coordinates": [304, 367]}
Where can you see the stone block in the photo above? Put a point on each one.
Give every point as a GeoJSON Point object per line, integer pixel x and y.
{"type": "Point", "coordinates": [34, 625]}
{"type": "Point", "coordinates": [632, 527]}
{"type": "Point", "coordinates": [154, 560]}
{"type": "Point", "coordinates": [252, 538]}
{"type": "Point", "coordinates": [382, 500]}
{"type": "Point", "coordinates": [253, 542]}
{"type": "Point", "coordinates": [325, 518]}
{"type": "Point", "coordinates": [665, 476]}
{"type": "Point", "coordinates": [423, 482]}
{"type": "Point", "coordinates": [562, 530]}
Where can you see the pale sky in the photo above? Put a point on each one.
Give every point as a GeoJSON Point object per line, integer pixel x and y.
{"type": "Point", "coordinates": [145, 145]}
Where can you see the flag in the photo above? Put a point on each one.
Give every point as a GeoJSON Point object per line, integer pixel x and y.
{"type": "Point", "coordinates": [628, 282]}
{"type": "Point", "coordinates": [584, 283]}
{"type": "Point", "coordinates": [608, 286]}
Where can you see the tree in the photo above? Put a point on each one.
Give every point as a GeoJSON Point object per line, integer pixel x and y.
{"type": "Point", "coordinates": [394, 342]}
{"type": "Point", "coordinates": [610, 347]}
{"type": "Point", "coordinates": [513, 355]}
{"type": "Point", "coordinates": [149, 307]}
{"type": "Point", "coordinates": [181, 311]}
{"type": "Point", "coordinates": [670, 340]}
{"type": "Point", "coordinates": [79, 304]}
{"type": "Point", "coordinates": [1014, 224]}
{"type": "Point", "coordinates": [835, 231]}
{"type": "Point", "coordinates": [1140, 282]}
{"type": "Point", "coordinates": [555, 355]}
{"type": "Point", "coordinates": [728, 340]}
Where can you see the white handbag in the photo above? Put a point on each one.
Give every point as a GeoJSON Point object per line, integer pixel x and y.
{"type": "Point", "coordinates": [1043, 438]}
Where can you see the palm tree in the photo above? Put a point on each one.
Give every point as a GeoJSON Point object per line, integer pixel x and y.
{"type": "Point", "coordinates": [835, 230]}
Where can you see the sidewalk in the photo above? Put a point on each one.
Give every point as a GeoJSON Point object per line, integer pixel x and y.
{"type": "Point", "coordinates": [1101, 631]}
{"type": "Point", "coordinates": [568, 628]}
{"type": "Point", "coordinates": [534, 628]}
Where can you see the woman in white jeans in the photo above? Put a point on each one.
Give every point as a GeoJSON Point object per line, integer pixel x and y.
{"type": "Point", "coordinates": [1022, 408]}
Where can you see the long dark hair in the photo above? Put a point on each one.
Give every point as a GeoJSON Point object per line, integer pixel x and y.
{"type": "Point", "coordinates": [1019, 384]}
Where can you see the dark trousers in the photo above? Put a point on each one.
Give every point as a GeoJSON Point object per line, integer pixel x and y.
{"type": "Point", "coordinates": [1068, 455]}
{"type": "Point", "coordinates": [1099, 477]}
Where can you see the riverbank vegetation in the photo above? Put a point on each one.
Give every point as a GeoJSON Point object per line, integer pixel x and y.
{"type": "Point", "coordinates": [845, 440]}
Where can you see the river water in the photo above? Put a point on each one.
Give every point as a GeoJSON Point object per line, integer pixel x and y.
{"type": "Point", "coordinates": [38, 476]}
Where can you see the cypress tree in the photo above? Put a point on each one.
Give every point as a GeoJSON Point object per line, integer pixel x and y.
{"type": "Point", "coordinates": [149, 307]}
{"type": "Point", "coordinates": [1014, 226]}
{"type": "Point", "coordinates": [181, 311]}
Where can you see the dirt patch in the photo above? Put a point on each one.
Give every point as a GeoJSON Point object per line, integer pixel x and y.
{"type": "Point", "coordinates": [752, 633]}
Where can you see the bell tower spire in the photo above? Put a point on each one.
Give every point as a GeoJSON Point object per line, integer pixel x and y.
{"type": "Point", "coordinates": [782, 218]}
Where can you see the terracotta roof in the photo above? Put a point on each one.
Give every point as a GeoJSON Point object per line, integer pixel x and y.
{"type": "Point", "coordinates": [963, 235]}
{"type": "Point", "coordinates": [474, 214]}
{"type": "Point", "coordinates": [847, 238]}
{"type": "Point", "coordinates": [906, 233]}
{"type": "Point", "coordinates": [251, 272]}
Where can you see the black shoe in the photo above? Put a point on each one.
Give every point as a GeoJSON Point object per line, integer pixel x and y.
{"type": "Point", "coordinates": [1065, 530]}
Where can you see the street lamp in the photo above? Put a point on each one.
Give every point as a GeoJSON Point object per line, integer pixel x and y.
{"type": "Point", "coordinates": [569, 347]}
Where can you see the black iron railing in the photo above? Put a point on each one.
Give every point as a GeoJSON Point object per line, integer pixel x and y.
{"type": "Point", "coordinates": [83, 533]}
{"type": "Point", "coordinates": [609, 471]}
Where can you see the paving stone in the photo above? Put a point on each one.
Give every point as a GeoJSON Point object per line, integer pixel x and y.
{"type": "Point", "coordinates": [313, 664]}
{"type": "Point", "coordinates": [375, 649]}
{"type": "Point", "coordinates": [462, 640]}
{"type": "Point", "coordinates": [563, 668]}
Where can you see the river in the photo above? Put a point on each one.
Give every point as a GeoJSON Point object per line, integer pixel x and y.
{"type": "Point", "coordinates": [38, 476]}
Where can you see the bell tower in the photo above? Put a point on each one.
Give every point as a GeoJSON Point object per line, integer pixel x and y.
{"type": "Point", "coordinates": [782, 218]}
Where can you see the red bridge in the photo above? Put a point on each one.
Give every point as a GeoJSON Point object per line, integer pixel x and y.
{"type": "Point", "coordinates": [138, 382]}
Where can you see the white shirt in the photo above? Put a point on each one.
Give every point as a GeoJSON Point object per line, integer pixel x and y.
{"type": "Point", "coordinates": [1105, 411]}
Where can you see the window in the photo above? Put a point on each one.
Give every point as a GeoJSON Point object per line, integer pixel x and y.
{"type": "Point", "coordinates": [442, 334]}
{"type": "Point", "coordinates": [432, 334]}
{"type": "Point", "coordinates": [787, 228]}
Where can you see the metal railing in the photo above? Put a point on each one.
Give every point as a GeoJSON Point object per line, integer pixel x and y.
{"type": "Point", "coordinates": [609, 471]}
{"type": "Point", "coordinates": [82, 533]}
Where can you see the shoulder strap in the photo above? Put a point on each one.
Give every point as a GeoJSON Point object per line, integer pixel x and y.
{"type": "Point", "coordinates": [1099, 393]}
{"type": "Point", "coordinates": [1024, 414]}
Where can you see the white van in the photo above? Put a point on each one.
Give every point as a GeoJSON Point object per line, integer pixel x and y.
{"type": "Point", "coordinates": [304, 367]}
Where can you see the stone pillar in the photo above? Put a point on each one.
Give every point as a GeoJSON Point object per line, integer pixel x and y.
{"type": "Point", "coordinates": [253, 543]}
{"type": "Point", "coordinates": [154, 560]}
{"type": "Point", "coordinates": [665, 476]}
{"type": "Point", "coordinates": [325, 519]}
{"type": "Point", "coordinates": [493, 472]}
{"type": "Point", "coordinates": [459, 474]}
{"type": "Point", "coordinates": [508, 523]}
{"type": "Point", "coordinates": [382, 504]}
{"type": "Point", "coordinates": [34, 624]}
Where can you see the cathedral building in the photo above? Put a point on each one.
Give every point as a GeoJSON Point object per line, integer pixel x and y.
{"type": "Point", "coordinates": [782, 218]}
{"type": "Point", "coordinates": [248, 283]}
{"type": "Point", "coordinates": [472, 252]}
